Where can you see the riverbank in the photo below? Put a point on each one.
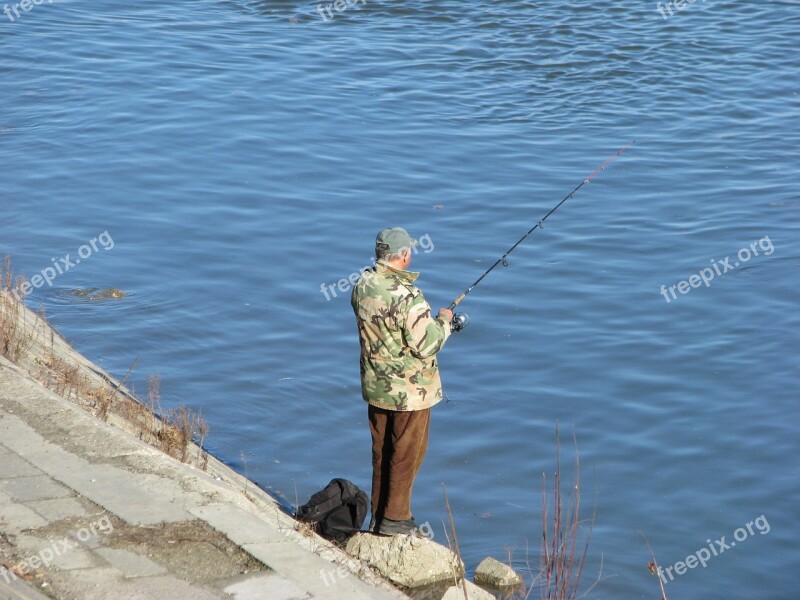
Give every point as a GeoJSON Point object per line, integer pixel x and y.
{"type": "Point", "coordinates": [101, 499]}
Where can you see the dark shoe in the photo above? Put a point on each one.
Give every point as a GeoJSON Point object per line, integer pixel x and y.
{"type": "Point", "coordinates": [389, 527]}
{"type": "Point", "coordinates": [371, 527]}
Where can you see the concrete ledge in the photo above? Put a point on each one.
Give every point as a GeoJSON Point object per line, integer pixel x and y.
{"type": "Point", "coordinates": [62, 470]}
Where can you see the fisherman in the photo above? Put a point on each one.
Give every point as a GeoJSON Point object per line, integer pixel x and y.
{"type": "Point", "coordinates": [399, 375]}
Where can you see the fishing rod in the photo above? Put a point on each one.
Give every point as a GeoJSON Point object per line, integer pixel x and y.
{"type": "Point", "coordinates": [461, 320]}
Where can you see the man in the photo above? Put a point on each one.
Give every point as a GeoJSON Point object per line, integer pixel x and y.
{"type": "Point", "coordinates": [399, 375]}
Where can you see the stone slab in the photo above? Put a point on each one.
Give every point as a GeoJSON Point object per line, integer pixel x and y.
{"type": "Point", "coordinates": [129, 563]}
{"type": "Point", "coordinates": [139, 499]}
{"type": "Point", "coordinates": [161, 588]}
{"type": "Point", "coordinates": [99, 583]}
{"type": "Point", "coordinates": [38, 487]}
{"type": "Point", "coordinates": [58, 508]}
{"type": "Point", "coordinates": [265, 586]}
{"type": "Point", "coordinates": [15, 518]}
{"type": "Point", "coordinates": [62, 554]}
{"type": "Point", "coordinates": [238, 526]}
{"type": "Point", "coordinates": [17, 589]}
{"type": "Point", "coordinates": [93, 460]}
{"type": "Point", "coordinates": [16, 466]}
{"type": "Point", "coordinates": [320, 577]}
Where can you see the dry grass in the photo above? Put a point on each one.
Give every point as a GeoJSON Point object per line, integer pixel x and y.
{"type": "Point", "coordinates": [69, 381]}
{"type": "Point", "coordinates": [246, 478]}
{"type": "Point", "coordinates": [305, 528]}
{"type": "Point", "coordinates": [458, 568]}
{"type": "Point", "coordinates": [172, 431]}
{"type": "Point", "coordinates": [176, 428]}
{"type": "Point", "coordinates": [139, 415]}
{"type": "Point", "coordinates": [563, 553]}
{"type": "Point", "coordinates": [459, 575]}
{"type": "Point", "coordinates": [14, 340]}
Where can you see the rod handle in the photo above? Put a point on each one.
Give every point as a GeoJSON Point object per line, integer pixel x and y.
{"type": "Point", "coordinates": [457, 301]}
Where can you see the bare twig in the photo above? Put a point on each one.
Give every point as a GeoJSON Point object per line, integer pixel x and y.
{"type": "Point", "coordinates": [561, 560]}
{"type": "Point", "coordinates": [654, 568]}
{"type": "Point", "coordinates": [128, 374]}
{"type": "Point", "coordinates": [460, 565]}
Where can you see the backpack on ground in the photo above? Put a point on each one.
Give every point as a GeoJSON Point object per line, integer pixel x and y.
{"type": "Point", "coordinates": [337, 511]}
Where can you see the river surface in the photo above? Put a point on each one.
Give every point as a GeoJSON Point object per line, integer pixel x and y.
{"type": "Point", "coordinates": [242, 155]}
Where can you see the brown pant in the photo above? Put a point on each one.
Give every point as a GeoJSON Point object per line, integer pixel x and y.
{"type": "Point", "coordinates": [399, 442]}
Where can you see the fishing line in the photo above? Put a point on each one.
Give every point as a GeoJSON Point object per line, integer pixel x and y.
{"type": "Point", "coordinates": [461, 320]}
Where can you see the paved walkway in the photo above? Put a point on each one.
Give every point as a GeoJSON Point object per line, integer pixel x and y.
{"type": "Point", "coordinates": [88, 511]}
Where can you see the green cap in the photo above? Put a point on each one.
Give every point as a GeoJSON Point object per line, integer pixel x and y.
{"type": "Point", "coordinates": [393, 240]}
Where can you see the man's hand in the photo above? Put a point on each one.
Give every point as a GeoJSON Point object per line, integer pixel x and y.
{"type": "Point", "coordinates": [446, 314]}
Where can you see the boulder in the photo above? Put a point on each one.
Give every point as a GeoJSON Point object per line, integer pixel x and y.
{"type": "Point", "coordinates": [494, 573]}
{"type": "Point", "coordinates": [473, 593]}
{"type": "Point", "coordinates": [406, 560]}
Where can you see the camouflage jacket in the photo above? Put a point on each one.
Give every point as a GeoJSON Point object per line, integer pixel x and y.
{"type": "Point", "coordinates": [399, 340]}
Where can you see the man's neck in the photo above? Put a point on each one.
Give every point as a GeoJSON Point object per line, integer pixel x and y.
{"type": "Point", "coordinates": [399, 265]}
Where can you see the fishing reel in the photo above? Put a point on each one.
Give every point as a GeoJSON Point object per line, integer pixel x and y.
{"type": "Point", "coordinates": [459, 321]}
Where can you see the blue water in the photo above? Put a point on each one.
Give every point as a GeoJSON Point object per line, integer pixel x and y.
{"type": "Point", "coordinates": [242, 154]}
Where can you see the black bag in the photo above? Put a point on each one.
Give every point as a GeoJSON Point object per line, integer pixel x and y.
{"type": "Point", "coordinates": [338, 511]}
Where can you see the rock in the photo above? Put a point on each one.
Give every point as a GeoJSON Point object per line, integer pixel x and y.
{"type": "Point", "coordinates": [406, 560]}
{"type": "Point", "coordinates": [494, 573]}
{"type": "Point", "coordinates": [473, 593]}
{"type": "Point", "coordinates": [95, 295]}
